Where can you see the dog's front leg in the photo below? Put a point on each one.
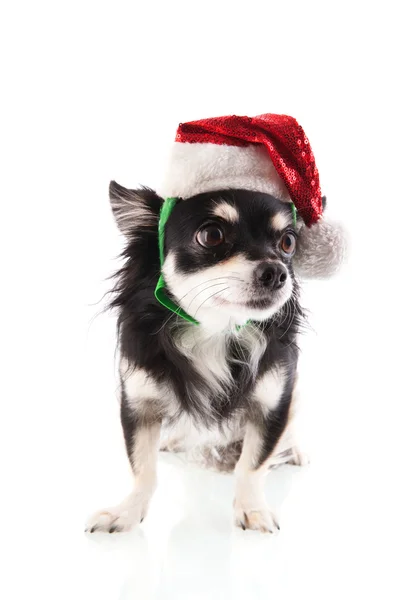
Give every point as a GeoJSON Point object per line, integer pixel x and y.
{"type": "Point", "coordinates": [260, 440]}
{"type": "Point", "coordinates": [250, 507]}
{"type": "Point", "coordinates": [142, 441]}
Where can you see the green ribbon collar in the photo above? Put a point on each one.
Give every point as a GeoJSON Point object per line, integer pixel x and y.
{"type": "Point", "coordinates": [160, 292]}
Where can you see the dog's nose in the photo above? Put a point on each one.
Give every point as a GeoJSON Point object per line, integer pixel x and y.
{"type": "Point", "coordinates": [272, 275]}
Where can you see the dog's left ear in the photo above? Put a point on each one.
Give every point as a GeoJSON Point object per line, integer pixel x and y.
{"type": "Point", "coordinates": [321, 248]}
{"type": "Point", "coordinates": [134, 209]}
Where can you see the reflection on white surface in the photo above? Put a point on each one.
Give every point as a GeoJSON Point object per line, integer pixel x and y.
{"type": "Point", "coordinates": [188, 546]}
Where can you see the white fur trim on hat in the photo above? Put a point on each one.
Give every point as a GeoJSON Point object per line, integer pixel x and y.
{"type": "Point", "coordinates": [195, 168]}
{"type": "Point", "coordinates": [321, 249]}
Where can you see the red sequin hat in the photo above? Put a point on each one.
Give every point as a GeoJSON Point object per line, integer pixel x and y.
{"type": "Point", "coordinates": [269, 153]}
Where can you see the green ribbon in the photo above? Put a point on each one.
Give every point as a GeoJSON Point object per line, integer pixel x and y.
{"type": "Point", "coordinates": [294, 214]}
{"type": "Point", "coordinates": [160, 292]}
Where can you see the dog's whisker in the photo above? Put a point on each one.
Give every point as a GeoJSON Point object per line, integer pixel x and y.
{"type": "Point", "coordinates": [203, 290]}
{"type": "Point", "coordinates": [205, 283]}
{"type": "Point", "coordinates": [209, 298]}
{"type": "Point", "coordinates": [170, 317]}
{"type": "Point", "coordinates": [225, 279]}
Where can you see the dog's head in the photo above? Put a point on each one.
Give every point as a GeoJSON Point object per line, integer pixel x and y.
{"type": "Point", "coordinates": [228, 254]}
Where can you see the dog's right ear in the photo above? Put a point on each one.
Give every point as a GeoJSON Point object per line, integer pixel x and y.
{"type": "Point", "coordinates": [134, 209]}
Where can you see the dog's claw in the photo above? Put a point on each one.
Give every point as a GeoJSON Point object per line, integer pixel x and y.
{"type": "Point", "coordinates": [261, 519]}
{"type": "Point", "coordinates": [276, 525]}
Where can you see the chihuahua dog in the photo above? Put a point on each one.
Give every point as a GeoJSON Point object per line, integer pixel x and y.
{"type": "Point", "coordinates": [224, 384]}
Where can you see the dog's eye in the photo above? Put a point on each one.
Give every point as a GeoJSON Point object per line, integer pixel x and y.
{"type": "Point", "coordinates": [210, 236]}
{"type": "Point", "coordinates": [288, 243]}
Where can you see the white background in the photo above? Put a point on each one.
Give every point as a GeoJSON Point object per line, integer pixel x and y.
{"type": "Point", "coordinates": [93, 91]}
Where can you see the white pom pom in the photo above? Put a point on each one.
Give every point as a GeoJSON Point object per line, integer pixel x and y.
{"type": "Point", "coordinates": [321, 249]}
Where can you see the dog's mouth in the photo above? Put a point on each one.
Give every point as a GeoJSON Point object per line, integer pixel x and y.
{"type": "Point", "coordinates": [257, 303]}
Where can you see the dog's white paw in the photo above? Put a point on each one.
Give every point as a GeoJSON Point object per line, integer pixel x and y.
{"type": "Point", "coordinates": [292, 456]}
{"type": "Point", "coordinates": [299, 458]}
{"type": "Point", "coordinates": [120, 518]}
{"type": "Point", "coordinates": [173, 444]}
{"type": "Point", "coordinates": [260, 519]}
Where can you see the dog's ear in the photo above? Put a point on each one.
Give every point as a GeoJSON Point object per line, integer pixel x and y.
{"type": "Point", "coordinates": [134, 209]}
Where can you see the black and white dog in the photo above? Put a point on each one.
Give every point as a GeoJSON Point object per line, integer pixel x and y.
{"type": "Point", "coordinates": [227, 384]}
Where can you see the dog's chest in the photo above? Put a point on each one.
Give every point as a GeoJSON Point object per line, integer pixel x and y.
{"type": "Point", "coordinates": [223, 359]}
{"type": "Point", "coordinates": [208, 355]}
{"type": "Point", "coordinates": [214, 403]}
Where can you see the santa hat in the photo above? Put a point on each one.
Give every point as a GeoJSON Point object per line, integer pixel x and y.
{"type": "Point", "coordinates": [269, 153]}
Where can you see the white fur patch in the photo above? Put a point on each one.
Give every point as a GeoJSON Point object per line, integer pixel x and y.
{"type": "Point", "coordinates": [270, 387]}
{"type": "Point", "coordinates": [207, 352]}
{"type": "Point", "coordinates": [141, 388]}
{"type": "Point", "coordinates": [193, 437]}
{"type": "Point", "coordinates": [226, 211]}
{"type": "Point", "coordinates": [280, 221]}
{"type": "Point", "coordinates": [250, 338]}
{"type": "Point", "coordinates": [138, 383]}
{"type": "Point", "coordinates": [197, 168]}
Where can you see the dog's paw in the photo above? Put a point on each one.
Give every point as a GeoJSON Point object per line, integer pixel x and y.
{"type": "Point", "coordinates": [120, 518]}
{"type": "Point", "coordinates": [292, 456]}
{"type": "Point", "coordinates": [260, 519]}
{"type": "Point", "coordinates": [172, 444]}
{"type": "Point", "coordinates": [299, 458]}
